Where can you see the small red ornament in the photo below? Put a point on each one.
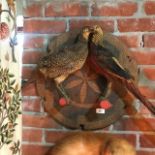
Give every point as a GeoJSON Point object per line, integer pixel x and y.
{"type": "Point", "coordinates": [4, 31]}
{"type": "Point", "coordinates": [105, 104]}
{"type": "Point", "coordinates": [62, 101]}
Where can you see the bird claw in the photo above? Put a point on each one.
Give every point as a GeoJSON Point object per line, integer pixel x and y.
{"type": "Point", "coordinates": [63, 93]}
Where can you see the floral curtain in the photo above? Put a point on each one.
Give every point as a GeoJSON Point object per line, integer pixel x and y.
{"type": "Point", "coordinates": [10, 73]}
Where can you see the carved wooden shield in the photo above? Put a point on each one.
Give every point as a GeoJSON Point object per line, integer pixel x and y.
{"type": "Point", "coordinates": [85, 109]}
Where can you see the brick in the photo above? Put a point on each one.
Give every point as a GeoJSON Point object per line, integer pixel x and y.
{"type": "Point", "coordinates": [33, 105]}
{"type": "Point", "coordinates": [150, 152]}
{"type": "Point", "coordinates": [33, 10]}
{"type": "Point", "coordinates": [149, 73]}
{"type": "Point", "coordinates": [130, 41]}
{"type": "Point", "coordinates": [54, 136]}
{"type": "Point", "coordinates": [31, 135]}
{"type": "Point", "coordinates": [33, 42]}
{"type": "Point", "coordinates": [135, 124]}
{"type": "Point", "coordinates": [149, 40]}
{"type": "Point", "coordinates": [27, 72]}
{"type": "Point", "coordinates": [115, 9]}
{"type": "Point", "coordinates": [39, 121]}
{"type": "Point", "coordinates": [29, 90]}
{"type": "Point", "coordinates": [144, 58]}
{"type": "Point", "coordinates": [139, 24]}
{"type": "Point", "coordinates": [149, 7]}
{"type": "Point", "coordinates": [148, 92]}
{"type": "Point", "coordinates": [44, 26]}
{"type": "Point", "coordinates": [29, 149]}
{"type": "Point", "coordinates": [56, 9]}
{"type": "Point", "coordinates": [146, 141]}
{"type": "Point", "coordinates": [31, 57]}
{"type": "Point", "coordinates": [107, 25]}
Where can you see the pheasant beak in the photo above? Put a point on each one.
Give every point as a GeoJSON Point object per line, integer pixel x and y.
{"type": "Point", "coordinates": [87, 31]}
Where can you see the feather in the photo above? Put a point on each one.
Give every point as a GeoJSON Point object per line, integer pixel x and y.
{"type": "Point", "coordinates": [104, 59]}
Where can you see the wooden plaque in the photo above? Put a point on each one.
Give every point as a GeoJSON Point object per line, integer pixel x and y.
{"type": "Point", "coordinates": [85, 110]}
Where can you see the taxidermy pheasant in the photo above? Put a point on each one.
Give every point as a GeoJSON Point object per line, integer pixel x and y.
{"type": "Point", "coordinates": [68, 59]}
{"type": "Point", "coordinates": [104, 57]}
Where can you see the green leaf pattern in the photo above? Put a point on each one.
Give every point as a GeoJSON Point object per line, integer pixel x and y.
{"type": "Point", "coordinates": [9, 109]}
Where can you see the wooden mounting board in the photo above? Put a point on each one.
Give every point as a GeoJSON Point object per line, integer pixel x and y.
{"type": "Point", "coordinates": [84, 87]}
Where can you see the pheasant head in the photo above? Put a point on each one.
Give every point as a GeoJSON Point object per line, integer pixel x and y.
{"type": "Point", "coordinates": [97, 34]}
{"type": "Point", "coordinates": [86, 32]}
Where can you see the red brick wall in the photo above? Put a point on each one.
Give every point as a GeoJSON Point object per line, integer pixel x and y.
{"type": "Point", "coordinates": [132, 21]}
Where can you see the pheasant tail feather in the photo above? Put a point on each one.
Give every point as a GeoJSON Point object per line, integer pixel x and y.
{"type": "Point", "coordinates": [136, 92]}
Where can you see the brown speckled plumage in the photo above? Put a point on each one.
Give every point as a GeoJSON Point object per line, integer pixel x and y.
{"type": "Point", "coordinates": [69, 58]}
{"type": "Point", "coordinates": [67, 61]}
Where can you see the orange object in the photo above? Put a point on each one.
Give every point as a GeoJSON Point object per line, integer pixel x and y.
{"type": "Point", "coordinates": [62, 101]}
{"type": "Point", "coordinates": [105, 104]}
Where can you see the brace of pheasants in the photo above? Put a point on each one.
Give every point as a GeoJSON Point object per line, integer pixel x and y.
{"type": "Point", "coordinates": [104, 59]}
{"type": "Point", "coordinates": [58, 65]}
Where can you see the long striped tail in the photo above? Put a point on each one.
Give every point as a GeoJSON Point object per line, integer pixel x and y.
{"type": "Point", "coordinates": [136, 92]}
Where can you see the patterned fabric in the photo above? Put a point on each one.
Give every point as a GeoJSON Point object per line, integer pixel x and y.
{"type": "Point", "coordinates": [10, 59]}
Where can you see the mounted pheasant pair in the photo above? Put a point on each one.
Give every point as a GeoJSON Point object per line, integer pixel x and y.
{"type": "Point", "coordinates": [104, 57]}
